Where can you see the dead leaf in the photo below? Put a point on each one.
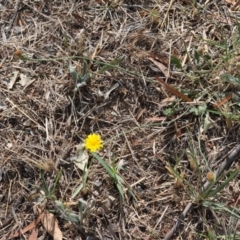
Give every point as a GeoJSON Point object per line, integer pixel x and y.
{"type": "Point", "coordinates": [34, 234]}
{"type": "Point", "coordinates": [13, 79]}
{"type": "Point", "coordinates": [24, 80]}
{"type": "Point", "coordinates": [50, 223]}
{"type": "Point", "coordinates": [30, 226]}
{"type": "Point", "coordinates": [81, 158]}
{"type": "Point", "coordinates": [163, 69]}
{"type": "Point", "coordinates": [192, 163]}
{"type": "Point", "coordinates": [228, 122]}
{"type": "Point", "coordinates": [173, 90]}
{"type": "Point", "coordinates": [230, 2]}
{"type": "Point", "coordinates": [234, 4]}
{"type": "Point", "coordinates": [159, 57]}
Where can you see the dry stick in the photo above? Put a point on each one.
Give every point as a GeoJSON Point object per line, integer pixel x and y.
{"type": "Point", "coordinates": [235, 6]}
{"type": "Point", "coordinates": [165, 17]}
{"type": "Point", "coordinates": [224, 166]}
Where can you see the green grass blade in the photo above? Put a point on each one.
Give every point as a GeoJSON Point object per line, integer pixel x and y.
{"type": "Point", "coordinates": [46, 190]}
{"type": "Point", "coordinates": [120, 189]}
{"type": "Point", "coordinates": [77, 190]}
{"type": "Point", "coordinates": [224, 184]}
{"type": "Point", "coordinates": [110, 65]}
{"type": "Point", "coordinates": [220, 207]}
{"type": "Point", "coordinates": [105, 165]}
{"type": "Point", "coordinates": [56, 181]}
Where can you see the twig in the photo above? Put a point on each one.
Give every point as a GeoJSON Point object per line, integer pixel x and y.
{"type": "Point", "coordinates": [224, 166]}
{"type": "Point", "coordinates": [235, 6]}
{"type": "Point", "coordinates": [165, 16]}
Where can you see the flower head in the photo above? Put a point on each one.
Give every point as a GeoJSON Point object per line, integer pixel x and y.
{"type": "Point", "coordinates": [93, 142]}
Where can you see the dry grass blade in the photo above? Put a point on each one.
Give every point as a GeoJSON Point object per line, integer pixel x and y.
{"type": "Point", "coordinates": [235, 5]}
{"type": "Point", "coordinates": [163, 68]}
{"type": "Point", "coordinates": [223, 101]}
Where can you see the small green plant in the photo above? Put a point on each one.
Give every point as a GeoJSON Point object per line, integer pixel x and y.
{"type": "Point", "coordinates": [116, 178]}
{"type": "Point", "coordinates": [208, 194]}
{"type": "Point", "coordinates": [50, 192]}
{"type": "Point", "coordinates": [168, 112]}
{"type": "Point", "coordinates": [73, 216]}
{"type": "Point", "coordinates": [94, 143]}
{"type": "Point", "coordinates": [80, 79]}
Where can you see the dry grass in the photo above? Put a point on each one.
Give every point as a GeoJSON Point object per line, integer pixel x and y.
{"type": "Point", "coordinates": [157, 137]}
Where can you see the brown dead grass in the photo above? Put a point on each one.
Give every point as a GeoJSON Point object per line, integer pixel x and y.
{"type": "Point", "coordinates": [43, 120]}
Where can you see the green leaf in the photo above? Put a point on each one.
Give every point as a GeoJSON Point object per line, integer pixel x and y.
{"type": "Point", "coordinates": [118, 180]}
{"type": "Point", "coordinates": [46, 190]}
{"type": "Point", "coordinates": [120, 189]}
{"type": "Point", "coordinates": [56, 181]}
{"type": "Point", "coordinates": [175, 61]}
{"type": "Point", "coordinates": [197, 56]}
{"type": "Point", "coordinates": [77, 190]}
{"type": "Point", "coordinates": [207, 123]}
{"type": "Point", "coordinates": [220, 207]}
{"type": "Point", "coordinates": [74, 74]}
{"type": "Point", "coordinates": [79, 79]}
{"type": "Point", "coordinates": [199, 110]}
{"type": "Point", "coordinates": [105, 165]}
{"type": "Point", "coordinates": [229, 78]}
{"type": "Point", "coordinates": [131, 192]}
{"type": "Point", "coordinates": [168, 112]}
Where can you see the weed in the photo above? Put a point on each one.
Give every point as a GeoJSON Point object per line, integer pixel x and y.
{"type": "Point", "coordinates": [50, 191]}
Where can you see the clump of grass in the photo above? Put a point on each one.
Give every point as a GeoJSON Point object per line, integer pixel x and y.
{"type": "Point", "coordinates": [115, 177]}
{"type": "Point", "coordinates": [208, 194]}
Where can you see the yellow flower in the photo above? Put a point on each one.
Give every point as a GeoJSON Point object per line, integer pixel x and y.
{"type": "Point", "coordinates": [93, 142]}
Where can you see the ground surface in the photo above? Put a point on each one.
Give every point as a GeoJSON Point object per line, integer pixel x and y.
{"type": "Point", "coordinates": [162, 142]}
